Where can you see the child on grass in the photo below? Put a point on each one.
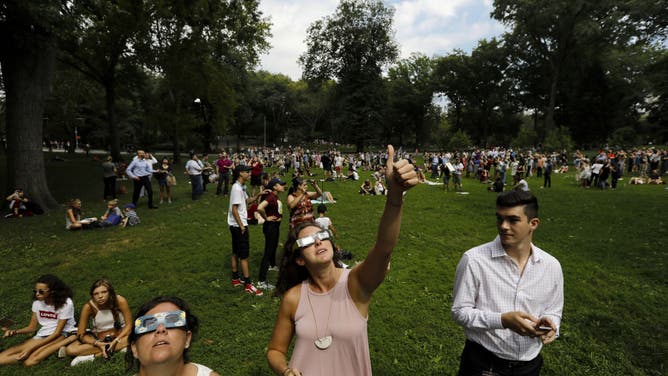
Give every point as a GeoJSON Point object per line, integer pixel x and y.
{"type": "Point", "coordinates": [324, 221]}
{"type": "Point", "coordinates": [131, 217]}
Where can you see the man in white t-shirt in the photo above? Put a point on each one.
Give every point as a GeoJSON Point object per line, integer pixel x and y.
{"type": "Point", "coordinates": [237, 219]}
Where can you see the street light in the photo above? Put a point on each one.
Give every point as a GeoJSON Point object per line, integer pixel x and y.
{"type": "Point", "coordinates": [76, 134]}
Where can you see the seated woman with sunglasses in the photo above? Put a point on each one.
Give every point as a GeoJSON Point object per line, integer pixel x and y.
{"type": "Point", "coordinates": [54, 311]}
{"type": "Point", "coordinates": [161, 337]}
{"type": "Point", "coordinates": [109, 315]}
{"type": "Point", "coordinates": [326, 307]}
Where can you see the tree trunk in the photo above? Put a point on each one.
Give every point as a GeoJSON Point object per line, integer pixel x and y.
{"type": "Point", "coordinates": [552, 103]}
{"type": "Point", "coordinates": [27, 70]}
{"type": "Point", "coordinates": [110, 97]}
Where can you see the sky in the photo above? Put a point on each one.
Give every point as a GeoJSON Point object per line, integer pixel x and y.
{"type": "Point", "coordinates": [430, 27]}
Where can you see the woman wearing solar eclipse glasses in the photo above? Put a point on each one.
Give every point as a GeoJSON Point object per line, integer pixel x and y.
{"type": "Point", "coordinates": [326, 307]}
{"type": "Point", "coordinates": [161, 337]}
{"type": "Point", "coordinates": [53, 311]}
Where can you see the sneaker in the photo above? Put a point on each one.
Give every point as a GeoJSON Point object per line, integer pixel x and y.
{"type": "Point", "coordinates": [62, 352]}
{"type": "Point", "coordinates": [169, 200]}
{"type": "Point", "coordinates": [82, 359]}
{"type": "Point", "coordinates": [252, 290]}
{"type": "Point", "coordinates": [273, 268]}
{"type": "Point", "coordinates": [161, 201]}
{"type": "Point", "coordinates": [236, 282]}
{"type": "Point", "coordinates": [265, 286]}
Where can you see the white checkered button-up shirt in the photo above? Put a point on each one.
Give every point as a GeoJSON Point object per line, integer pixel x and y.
{"type": "Point", "coordinates": [488, 283]}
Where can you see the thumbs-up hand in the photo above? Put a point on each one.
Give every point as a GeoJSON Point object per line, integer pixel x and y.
{"type": "Point", "coordinates": [400, 175]}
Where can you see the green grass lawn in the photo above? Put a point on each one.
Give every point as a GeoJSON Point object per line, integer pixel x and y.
{"type": "Point", "coordinates": [612, 246]}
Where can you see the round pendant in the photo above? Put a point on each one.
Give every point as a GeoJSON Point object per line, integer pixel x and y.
{"type": "Point", "coordinates": [323, 343]}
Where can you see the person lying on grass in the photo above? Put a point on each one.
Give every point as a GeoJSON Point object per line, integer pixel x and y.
{"type": "Point", "coordinates": [325, 306]}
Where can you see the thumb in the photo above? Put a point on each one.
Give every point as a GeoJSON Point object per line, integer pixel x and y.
{"type": "Point", "coordinates": [390, 158]}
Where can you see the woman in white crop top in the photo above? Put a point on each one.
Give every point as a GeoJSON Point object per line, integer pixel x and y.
{"type": "Point", "coordinates": [326, 307]}
{"type": "Point", "coordinates": [102, 325]}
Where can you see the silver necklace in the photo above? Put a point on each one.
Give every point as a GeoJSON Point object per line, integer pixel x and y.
{"type": "Point", "coordinates": [323, 342]}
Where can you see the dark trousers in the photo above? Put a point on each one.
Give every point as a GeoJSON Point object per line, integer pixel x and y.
{"type": "Point", "coordinates": [223, 179]}
{"type": "Point", "coordinates": [478, 361]}
{"type": "Point", "coordinates": [271, 233]}
{"type": "Point", "coordinates": [144, 181]}
{"type": "Point", "coordinates": [548, 181]}
{"type": "Point", "coordinates": [205, 181]}
{"type": "Point", "coordinates": [110, 187]}
{"type": "Point", "coordinates": [196, 186]}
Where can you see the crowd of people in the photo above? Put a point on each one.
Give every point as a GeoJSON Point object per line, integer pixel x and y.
{"type": "Point", "coordinates": [324, 305]}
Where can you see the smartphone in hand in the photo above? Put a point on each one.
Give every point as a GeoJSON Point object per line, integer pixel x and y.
{"type": "Point", "coordinates": [543, 329]}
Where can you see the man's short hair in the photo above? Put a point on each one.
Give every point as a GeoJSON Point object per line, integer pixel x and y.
{"type": "Point", "coordinates": [514, 198]}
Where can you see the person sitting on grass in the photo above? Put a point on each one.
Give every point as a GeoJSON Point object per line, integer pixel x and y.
{"type": "Point", "coordinates": [324, 221]}
{"type": "Point", "coordinates": [522, 185]}
{"type": "Point", "coordinates": [109, 315]}
{"type": "Point", "coordinates": [53, 311]}
{"type": "Point", "coordinates": [379, 188]}
{"type": "Point", "coordinates": [73, 219]}
{"type": "Point", "coordinates": [131, 217]}
{"type": "Point", "coordinates": [497, 186]}
{"type": "Point", "coordinates": [113, 216]}
{"type": "Point", "coordinates": [17, 204]}
{"type": "Point", "coordinates": [366, 188]}
{"type": "Point", "coordinates": [654, 178]}
{"type": "Point", "coordinates": [162, 335]}
{"type": "Point", "coordinates": [325, 307]}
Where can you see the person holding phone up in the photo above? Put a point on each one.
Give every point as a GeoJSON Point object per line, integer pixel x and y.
{"type": "Point", "coordinates": [508, 295]}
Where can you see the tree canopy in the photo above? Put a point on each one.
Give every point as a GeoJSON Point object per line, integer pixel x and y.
{"type": "Point", "coordinates": [181, 75]}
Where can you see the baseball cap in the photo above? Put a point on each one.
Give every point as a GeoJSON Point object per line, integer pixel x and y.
{"type": "Point", "coordinates": [130, 206]}
{"type": "Point", "coordinates": [240, 168]}
{"type": "Point", "coordinates": [273, 182]}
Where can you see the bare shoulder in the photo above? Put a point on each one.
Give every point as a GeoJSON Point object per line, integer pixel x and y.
{"type": "Point", "coordinates": [122, 302]}
{"type": "Point", "coordinates": [291, 299]}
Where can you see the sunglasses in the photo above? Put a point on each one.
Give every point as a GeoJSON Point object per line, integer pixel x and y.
{"type": "Point", "coordinates": [310, 239]}
{"type": "Point", "coordinates": [40, 291]}
{"type": "Point", "coordinates": [149, 323]}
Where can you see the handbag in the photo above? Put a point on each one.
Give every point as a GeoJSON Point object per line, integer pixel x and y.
{"type": "Point", "coordinates": [171, 180]}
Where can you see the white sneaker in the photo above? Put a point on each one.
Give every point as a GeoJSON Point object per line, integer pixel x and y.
{"type": "Point", "coordinates": [265, 286]}
{"type": "Point", "coordinates": [62, 352]}
{"type": "Point", "coordinates": [273, 268]}
{"type": "Point", "coordinates": [82, 359]}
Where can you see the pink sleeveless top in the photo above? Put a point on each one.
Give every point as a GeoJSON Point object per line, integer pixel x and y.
{"type": "Point", "coordinates": [349, 352]}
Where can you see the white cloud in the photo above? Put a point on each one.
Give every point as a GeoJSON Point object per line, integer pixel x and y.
{"type": "Point", "coordinates": [431, 27]}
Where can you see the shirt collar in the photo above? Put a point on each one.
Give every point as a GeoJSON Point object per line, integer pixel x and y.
{"type": "Point", "coordinates": [498, 251]}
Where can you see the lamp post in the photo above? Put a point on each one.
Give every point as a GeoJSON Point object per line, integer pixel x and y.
{"type": "Point", "coordinates": [76, 134]}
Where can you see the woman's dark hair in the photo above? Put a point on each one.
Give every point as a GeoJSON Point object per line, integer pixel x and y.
{"type": "Point", "coordinates": [58, 290]}
{"type": "Point", "coordinates": [514, 198]}
{"type": "Point", "coordinates": [112, 301]}
{"type": "Point", "coordinates": [292, 274]}
{"type": "Point", "coordinates": [192, 324]}
{"type": "Point", "coordinates": [296, 182]}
